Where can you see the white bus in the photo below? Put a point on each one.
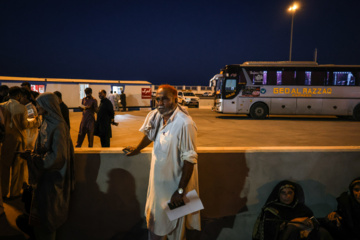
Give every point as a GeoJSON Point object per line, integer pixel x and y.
{"type": "Point", "coordinates": [288, 88]}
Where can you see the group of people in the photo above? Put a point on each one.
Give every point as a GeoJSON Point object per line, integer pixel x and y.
{"type": "Point", "coordinates": [20, 123]}
{"type": "Point", "coordinates": [102, 125]}
{"type": "Point", "coordinates": [173, 171]}
{"type": "Point", "coordinates": [50, 162]}
{"type": "Point", "coordinates": [36, 140]}
{"type": "Point", "coordinates": [286, 217]}
{"type": "Point", "coordinates": [117, 100]}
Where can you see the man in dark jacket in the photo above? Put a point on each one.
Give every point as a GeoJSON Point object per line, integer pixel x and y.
{"type": "Point", "coordinates": [123, 100]}
{"type": "Point", "coordinates": [105, 117]}
{"type": "Point", "coordinates": [64, 108]}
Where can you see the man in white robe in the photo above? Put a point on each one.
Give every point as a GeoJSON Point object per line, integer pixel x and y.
{"type": "Point", "coordinates": [173, 170]}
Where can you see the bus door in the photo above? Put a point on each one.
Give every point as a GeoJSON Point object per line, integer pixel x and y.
{"type": "Point", "coordinates": [229, 96]}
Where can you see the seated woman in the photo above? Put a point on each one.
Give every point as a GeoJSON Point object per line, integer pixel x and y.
{"type": "Point", "coordinates": [345, 221]}
{"type": "Point", "coordinates": [285, 216]}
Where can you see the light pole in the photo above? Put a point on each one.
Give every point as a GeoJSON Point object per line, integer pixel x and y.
{"type": "Point", "coordinates": [292, 9]}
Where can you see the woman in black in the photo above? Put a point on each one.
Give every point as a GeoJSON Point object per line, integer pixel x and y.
{"type": "Point", "coordinates": [285, 216]}
{"type": "Point", "coordinates": [345, 221]}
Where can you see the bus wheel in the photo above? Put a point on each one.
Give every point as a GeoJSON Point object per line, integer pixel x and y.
{"type": "Point", "coordinates": [259, 111]}
{"type": "Point", "coordinates": [356, 113]}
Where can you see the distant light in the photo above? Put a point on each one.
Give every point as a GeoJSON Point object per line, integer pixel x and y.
{"type": "Point", "coordinates": [293, 7]}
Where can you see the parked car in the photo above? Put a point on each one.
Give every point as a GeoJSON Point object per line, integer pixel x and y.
{"type": "Point", "coordinates": [207, 94]}
{"type": "Point", "coordinates": [188, 98]}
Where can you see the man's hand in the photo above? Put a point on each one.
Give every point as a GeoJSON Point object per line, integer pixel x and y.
{"type": "Point", "coordinates": [25, 155]}
{"type": "Point", "coordinates": [176, 198]}
{"type": "Point", "coordinates": [115, 123]}
{"type": "Point", "coordinates": [333, 216]}
{"type": "Point", "coordinates": [131, 151]}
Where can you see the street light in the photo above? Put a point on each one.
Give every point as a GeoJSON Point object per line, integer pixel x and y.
{"type": "Point", "coordinates": [292, 9]}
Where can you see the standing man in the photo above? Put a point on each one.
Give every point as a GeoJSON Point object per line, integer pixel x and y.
{"type": "Point", "coordinates": [173, 170]}
{"type": "Point", "coordinates": [123, 100]}
{"type": "Point", "coordinates": [88, 119]}
{"type": "Point", "coordinates": [31, 133]}
{"type": "Point", "coordinates": [117, 99]}
{"type": "Point", "coordinates": [16, 123]}
{"type": "Point", "coordinates": [112, 98]}
{"type": "Point", "coordinates": [34, 94]}
{"type": "Point", "coordinates": [105, 117]}
{"type": "Point", "coordinates": [64, 108]}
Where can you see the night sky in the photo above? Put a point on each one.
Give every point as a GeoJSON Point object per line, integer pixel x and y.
{"type": "Point", "coordinates": [174, 41]}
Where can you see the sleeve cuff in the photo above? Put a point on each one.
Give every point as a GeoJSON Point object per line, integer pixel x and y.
{"type": "Point", "coordinates": [190, 156]}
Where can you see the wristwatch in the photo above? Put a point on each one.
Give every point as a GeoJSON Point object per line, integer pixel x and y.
{"type": "Point", "coordinates": [180, 190]}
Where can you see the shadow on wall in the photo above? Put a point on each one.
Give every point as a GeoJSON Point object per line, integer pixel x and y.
{"type": "Point", "coordinates": [95, 215]}
{"type": "Point", "coordinates": [222, 179]}
{"type": "Point", "coordinates": [316, 198]}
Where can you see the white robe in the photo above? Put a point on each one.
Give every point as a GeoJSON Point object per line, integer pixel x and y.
{"type": "Point", "coordinates": [174, 143]}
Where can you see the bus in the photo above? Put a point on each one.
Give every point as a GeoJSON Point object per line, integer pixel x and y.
{"type": "Point", "coordinates": [260, 89]}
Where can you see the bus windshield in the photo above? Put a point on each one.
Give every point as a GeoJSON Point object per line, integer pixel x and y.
{"type": "Point", "coordinates": [189, 94]}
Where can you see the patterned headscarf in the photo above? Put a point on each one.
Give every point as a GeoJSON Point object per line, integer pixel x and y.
{"type": "Point", "coordinates": [299, 196]}
{"type": "Point", "coordinates": [352, 185]}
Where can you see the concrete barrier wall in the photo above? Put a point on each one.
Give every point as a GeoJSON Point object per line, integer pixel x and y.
{"type": "Point", "coordinates": [110, 193]}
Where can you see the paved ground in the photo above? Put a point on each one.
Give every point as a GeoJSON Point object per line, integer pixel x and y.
{"type": "Point", "coordinates": [219, 130]}
{"type": "Point", "coordinates": [223, 130]}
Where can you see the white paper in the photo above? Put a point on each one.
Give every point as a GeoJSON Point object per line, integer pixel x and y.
{"type": "Point", "coordinates": [192, 204]}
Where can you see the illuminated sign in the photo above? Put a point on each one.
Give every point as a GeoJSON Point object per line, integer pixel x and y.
{"type": "Point", "coordinates": [145, 93]}
{"type": "Point", "coordinates": [305, 92]}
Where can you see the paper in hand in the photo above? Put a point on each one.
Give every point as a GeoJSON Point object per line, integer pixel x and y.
{"type": "Point", "coordinates": [192, 204]}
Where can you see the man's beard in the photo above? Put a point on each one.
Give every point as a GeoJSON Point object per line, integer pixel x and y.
{"type": "Point", "coordinates": [167, 112]}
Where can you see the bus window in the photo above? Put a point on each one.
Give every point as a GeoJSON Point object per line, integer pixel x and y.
{"type": "Point", "coordinates": [300, 77]}
{"type": "Point", "coordinates": [265, 78]}
{"type": "Point", "coordinates": [344, 79]}
{"type": "Point", "coordinates": [288, 78]}
{"type": "Point", "coordinates": [230, 85]}
{"type": "Point", "coordinates": [271, 78]}
{"type": "Point", "coordinates": [357, 78]}
{"type": "Point", "coordinates": [278, 77]}
{"type": "Point", "coordinates": [307, 78]}
{"type": "Point", "coordinates": [218, 86]}
{"type": "Point", "coordinates": [318, 78]}
{"type": "Point", "coordinates": [257, 77]}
